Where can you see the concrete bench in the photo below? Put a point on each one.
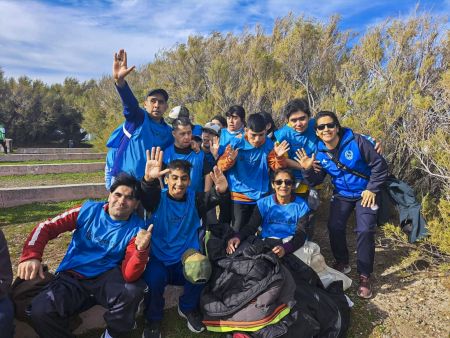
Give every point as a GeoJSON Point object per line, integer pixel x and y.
{"type": "Point", "coordinates": [51, 157]}
{"type": "Point", "coordinates": [53, 150]}
{"type": "Point", "coordinates": [39, 169]}
{"type": "Point", "coordinates": [11, 197]}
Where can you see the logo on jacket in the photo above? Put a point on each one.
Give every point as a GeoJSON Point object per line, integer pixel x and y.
{"type": "Point", "coordinates": [348, 155]}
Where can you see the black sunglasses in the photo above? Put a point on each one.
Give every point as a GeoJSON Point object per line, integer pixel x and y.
{"type": "Point", "coordinates": [331, 125]}
{"type": "Point", "coordinates": [286, 182]}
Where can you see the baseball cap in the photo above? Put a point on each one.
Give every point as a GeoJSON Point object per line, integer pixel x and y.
{"type": "Point", "coordinates": [159, 91]}
{"type": "Point", "coordinates": [178, 111]}
{"type": "Point", "coordinates": [196, 267]}
{"type": "Point", "coordinates": [212, 128]}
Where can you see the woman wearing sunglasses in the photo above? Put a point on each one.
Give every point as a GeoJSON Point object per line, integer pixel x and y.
{"type": "Point", "coordinates": [357, 173]}
{"type": "Point", "coordinates": [282, 217]}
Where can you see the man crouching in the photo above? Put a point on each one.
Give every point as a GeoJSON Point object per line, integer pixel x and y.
{"type": "Point", "coordinates": [102, 265]}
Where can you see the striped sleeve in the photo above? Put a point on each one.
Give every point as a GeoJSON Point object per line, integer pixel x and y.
{"type": "Point", "coordinates": [46, 231]}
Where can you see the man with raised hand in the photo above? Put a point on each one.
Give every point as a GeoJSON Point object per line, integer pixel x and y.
{"type": "Point", "coordinates": [103, 263]}
{"type": "Point", "coordinates": [176, 213]}
{"type": "Point", "coordinates": [142, 129]}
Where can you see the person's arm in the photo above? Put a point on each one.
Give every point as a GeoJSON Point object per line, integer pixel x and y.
{"type": "Point", "coordinates": [299, 237]}
{"type": "Point", "coordinates": [208, 183]}
{"type": "Point", "coordinates": [228, 159]}
{"type": "Point", "coordinates": [151, 194]}
{"type": "Point", "coordinates": [248, 229]}
{"type": "Point", "coordinates": [131, 110]}
{"type": "Point", "coordinates": [204, 201]}
{"type": "Point", "coordinates": [376, 162]}
{"type": "Point", "coordinates": [6, 275]}
{"type": "Point", "coordinates": [30, 265]}
{"type": "Point", "coordinates": [136, 255]}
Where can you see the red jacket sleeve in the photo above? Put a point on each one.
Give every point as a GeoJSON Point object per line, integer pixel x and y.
{"type": "Point", "coordinates": [133, 265]}
{"type": "Point", "coordinates": [45, 231]}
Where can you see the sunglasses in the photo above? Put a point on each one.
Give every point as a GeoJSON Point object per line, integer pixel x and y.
{"type": "Point", "coordinates": [286, 182]}
{"type": "Point", "coordinates": [329, 125]}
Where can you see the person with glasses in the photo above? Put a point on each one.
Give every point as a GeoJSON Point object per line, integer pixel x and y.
{"type": "Point", "coordinates": [282, 217]}
{"type": "Point", "coordinates": [142, 129]}
{"type": "Point", "coordinates": [357, 172]}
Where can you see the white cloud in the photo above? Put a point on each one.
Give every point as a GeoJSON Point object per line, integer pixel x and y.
{"type": "Point", "coordinates": [78, 39]}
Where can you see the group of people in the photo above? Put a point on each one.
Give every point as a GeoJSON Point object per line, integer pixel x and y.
{"type": "Point", "coordinates": [165, 182]}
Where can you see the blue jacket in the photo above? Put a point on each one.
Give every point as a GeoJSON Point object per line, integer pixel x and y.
{"type": "Point", "coordinates": [357, 153]}
{"type": "Point", "coordinates": [99, 242]}
{"type": "Point", "coordinates": [226, 137]}
{"type": "Point", "coordinates": [280, 220]}
{"type": "Point", "coordinates": [306, 140]}
{"type": "Point", "coordinates": [137, 134]}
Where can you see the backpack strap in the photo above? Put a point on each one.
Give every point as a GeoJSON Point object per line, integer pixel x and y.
{"type": "Point", "coordinates": [342, 166]}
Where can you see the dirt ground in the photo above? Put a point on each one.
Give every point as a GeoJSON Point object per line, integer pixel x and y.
{"type": "Point", "coordinates": [409, 301]}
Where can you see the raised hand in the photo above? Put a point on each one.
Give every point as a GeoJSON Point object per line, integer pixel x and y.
{"type": "Point", "coordinates": [304, 160]}
{"type": "Point", "coordinates": [219, 180]}
{"type": "Point", "coordinates": [233, 243]}
{"type": "Point", "coordinates": [143, 238]}
{"type": "Point", "coordinates": [120, 67]}
{"type": "Point", "coordinates": [30, 269]}
{"type": "Point", "coordinates": [281, 148]}
{"type": "Point", "coordinates": [153, 165]}
{"type": "Point", "coordinates": [214, 146]}
{"type": "Point", "coordinates": [233, 153]}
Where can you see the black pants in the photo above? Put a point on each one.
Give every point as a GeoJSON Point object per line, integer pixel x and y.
{"type": "Point", "coordinates": [66, 296]}
{"type": "Point", "coordinates": [241, 214]}
{"type": "Point", "coordinates": [366, 224]}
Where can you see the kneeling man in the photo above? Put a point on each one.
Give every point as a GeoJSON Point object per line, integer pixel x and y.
{"type": "Point", "coordinates": [103, 264]}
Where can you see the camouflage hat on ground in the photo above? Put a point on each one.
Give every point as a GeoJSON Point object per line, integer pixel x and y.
{"type": "Point", "coordinates": [196, 267]}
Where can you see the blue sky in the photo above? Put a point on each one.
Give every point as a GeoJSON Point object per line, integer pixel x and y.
{"type": "Point", "coordinates": [54, 39]}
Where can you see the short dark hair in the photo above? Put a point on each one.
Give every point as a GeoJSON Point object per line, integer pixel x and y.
{"type": "Point", "coordinates": [295, 106]}
{"type": "Point", "coordinates": [327, 113]}
{"type": "Point", "coordinates": [256, 123]}
{"type": "Point", "coordinates": [221, 119]}
{"type": "Point", "coordinates": [182, 121]}
{"type": "Point", "coordinates": [129, 181]}
{"type": "Point", "coordinates": [159, 91]}
{"type": "Point", "coordinates": [283, 170]}
{"type": "Point", "coordinates": [182, 165]}
{"type": "Point", "coordinates": [269, 119]}
{"type": "Point", "coordinates": [236, 110]}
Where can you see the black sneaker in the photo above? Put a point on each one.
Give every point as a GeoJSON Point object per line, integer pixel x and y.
{"type": "Point", "coordinates": [152, 330]}
{"type": "Point", "coordinates": [342, 267]}
{"type": "Point", "coordinates": [194, 320]}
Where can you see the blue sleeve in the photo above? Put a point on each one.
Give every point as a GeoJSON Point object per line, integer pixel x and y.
{"type": "Point", "coordinates": [376, 162]}
{"type": "Point", "coordinates": [131, 110]}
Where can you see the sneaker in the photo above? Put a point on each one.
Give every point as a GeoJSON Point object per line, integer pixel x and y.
{"type": "Point", "coordinates": [365, 288]}
{"type": "Point", "coordinates": [342, 267]}
{"type": "Point", "coordinates": [152, 330]}
{"type": "Point", "coordinates": [194, 320]}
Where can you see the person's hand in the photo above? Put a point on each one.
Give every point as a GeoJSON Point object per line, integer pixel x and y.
{"type": "Point", "coordinates": [219, 180]}
{"type": "Point", "coordinates": [154, 164]}
{"type": "Point", "coordinates": [30, 269]}
{"type": "Point", "coordinates": [378, 147]}
{"type": "Point", "coordinates": [233, 243]}
{"type": "Point", "coordinates": [368, 198]}
{"type": "Point", "coordinates": [317, 167]}
{"type": "Point", "coordinates": [281, 148]}
{"type": "Point", "coordinates": [120, 67]}
{"type": "Point", "coordinates": [233, 154]}
{"type": "Point", "coordinates": [304, 160]}
{"type": "Point", "coordinates": [214, 146]}
{"type": "Point", "coordinates": [143, 238]}
{"type": "Point", "coordinates": [279, 251]}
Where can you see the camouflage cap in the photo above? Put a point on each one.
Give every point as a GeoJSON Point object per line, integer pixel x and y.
{"type": "Point", "coordinates": [196, 267]}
